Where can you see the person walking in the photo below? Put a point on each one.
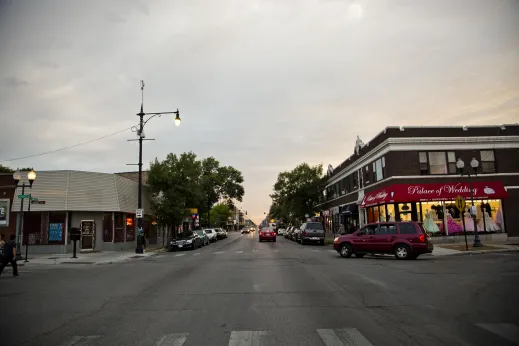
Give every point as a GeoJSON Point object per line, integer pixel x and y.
{"type": "Point", "coordinates": [9, 255]}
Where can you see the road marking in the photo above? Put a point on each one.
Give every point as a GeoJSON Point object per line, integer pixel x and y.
{"type": "Point", "coordinates": [276, 250]}
{"type": "Point", "coordinates": [81, 340]}
{"type": "Point", "coordinates": [246, 338]}
{"type": "Point", "coordinates": [239, 251]}
{"type": "Point", "coordinates": [315, 250]}
{"type": "Point", "coordinates": [218, 253]}
{"type": "Point", "coordinates": [180, 254]}
{"type": "Point", "coordinates": [343, 337]}
{"type": "Point", "coordinates": [176, 339]}
{"type": "Point", "coordinates": [196, 254]}
{"type": "Point", "coordinates": [504, 330]}
{"type": "Point", "coordinates": [331, 250]}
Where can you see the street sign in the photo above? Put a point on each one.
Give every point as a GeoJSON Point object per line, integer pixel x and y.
{"type": "Point", "coordinates": [193, 210]}
{"type": "Point", "coordinates": [460, 203]}
{"type": "Point", "coordinates": [139, 213]}
{"type": "Point", "coordinates": [24, 196]}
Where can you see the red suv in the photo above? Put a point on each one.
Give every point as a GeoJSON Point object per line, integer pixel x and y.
{"type": "Point", "coordinates": [406, 240]}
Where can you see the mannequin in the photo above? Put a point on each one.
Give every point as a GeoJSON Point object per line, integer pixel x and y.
{"type": "Point", "coordinates": [429, 224]}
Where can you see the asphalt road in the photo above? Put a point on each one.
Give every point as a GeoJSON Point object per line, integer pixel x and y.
{"type": "Point", "coordinates": [240, 292]}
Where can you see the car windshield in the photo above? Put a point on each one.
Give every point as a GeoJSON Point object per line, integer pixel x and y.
{"type": "Point", "coordinates": [208, 231]}
{"type": "Point", "coordinates": [314, 225]}
{"type": "Point", "coordinates": [185, 235]}
{"type": "Point", "coordinates": [200, 232]}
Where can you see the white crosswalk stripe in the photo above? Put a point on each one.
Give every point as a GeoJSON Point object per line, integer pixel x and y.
{"type": "Point", "coordinates": [180, 254]}
{"type": "Point", "coordinates": [239, 251]}
{"type": "Point", "coordinates": [218, 253]}
{"type": "Point", "coordinates": [347, 336]}
{"type": "Point", "coordinates": [330, 250]}
{"type": "Point", "coordinates": [177, 339]}
{"type": "Point", "coordinates": [196, 254]}
{"type": "Point", "coordinates": [246, 338]}
{"type": "Point", "coordinates": [343, 337]}
{"type": "Point", "coordinates": [507, 331]}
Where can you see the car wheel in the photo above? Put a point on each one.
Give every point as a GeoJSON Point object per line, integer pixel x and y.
{"type": "Point", "coordinates": [345, 250]}
{"type": "Point", "coordinates": [360, 255]}
{"type": "Point", "coordinates": [402, 252]}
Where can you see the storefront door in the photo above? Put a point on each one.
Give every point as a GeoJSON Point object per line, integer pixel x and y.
{"type": "Point", "coordinates": [88, 235]}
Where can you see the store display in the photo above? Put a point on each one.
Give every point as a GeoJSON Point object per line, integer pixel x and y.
{"type": "Point", "coordinates": [429, 224]}
{"type": "Point", "coordinates": [490, 225]}
{"type": "Point", "coordinates": [469, 221]}
{"type": "Point", "coordinates": [452, 226]}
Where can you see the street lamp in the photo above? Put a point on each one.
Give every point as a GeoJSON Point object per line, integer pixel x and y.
{"type": "Point", "coordinates": [474, 164]}
{"type": "Point", "coordinates": [140, 133]}
{"type": "Point", "coordinates": [17, 176]}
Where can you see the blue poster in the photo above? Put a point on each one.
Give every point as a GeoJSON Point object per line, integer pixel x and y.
{"type": "Point", "coordinates": [55, 232]}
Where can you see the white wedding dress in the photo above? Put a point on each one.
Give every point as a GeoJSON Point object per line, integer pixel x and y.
{"type": "Point", "coordinates": [490, 225]}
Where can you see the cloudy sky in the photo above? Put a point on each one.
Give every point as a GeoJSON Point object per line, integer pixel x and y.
{"type": "Point", "coordinates": [261, 84]}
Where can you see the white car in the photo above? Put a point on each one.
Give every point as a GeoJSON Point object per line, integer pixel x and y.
{"type": "Point", "coordinates": [281, 231]}
{"type": "Point", "coordinates": [211, 234]}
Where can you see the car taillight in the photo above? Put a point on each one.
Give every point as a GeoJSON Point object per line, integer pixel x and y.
{"type": "Point", "coordinates": [422, 238]}
{"type": "Point", "coordinates": [304, 233]}
{"type": "Point", "coordinates": [261, 233]}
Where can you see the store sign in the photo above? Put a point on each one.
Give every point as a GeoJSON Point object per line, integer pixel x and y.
{"type": "Point", "coordinates": [433, 192]}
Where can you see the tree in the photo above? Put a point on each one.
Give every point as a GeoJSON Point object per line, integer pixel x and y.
{"type": "Point", "coordinates": [5, 169]}
{"type": "Point", "coordinates": [183, 182]}
{"type": "Point", "coordinates": [220, 214]}
{"type": "Point", "coordinates": [296, 192]}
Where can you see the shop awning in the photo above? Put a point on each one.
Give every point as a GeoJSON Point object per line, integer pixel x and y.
{"type": "Point", "coordinates": [400, 193]}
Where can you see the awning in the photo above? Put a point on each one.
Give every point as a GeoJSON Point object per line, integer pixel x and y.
{"type": "Point", "coordinates": [400, 193]}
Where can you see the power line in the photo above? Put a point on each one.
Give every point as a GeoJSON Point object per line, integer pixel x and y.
{"type": "Point", "coordinates": [68, 147]}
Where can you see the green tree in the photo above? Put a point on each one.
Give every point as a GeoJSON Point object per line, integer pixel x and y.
{"type": "Point", "coordinates": [296, 192]}
{"type": "Point", "coordinates": [220, 213]}
{"type": "Point", "coordinates": [5, 169]}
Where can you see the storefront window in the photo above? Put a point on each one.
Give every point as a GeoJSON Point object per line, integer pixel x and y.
{"type": "Point", "coordinates": [391, 212]}
{"type": "Point", "coordinates": [382, 214]}
{"type": "Point", "coordinates": [107, 228]}
{"type": "Point", "coordinates": [130, 227]}
{"type": "Point", "coordinates": [119, 228]}
{"type": "Point", "coordinates": [405, 212]}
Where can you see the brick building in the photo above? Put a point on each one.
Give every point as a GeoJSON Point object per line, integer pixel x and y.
{"type": "Point", "coordinates": [410, 173]}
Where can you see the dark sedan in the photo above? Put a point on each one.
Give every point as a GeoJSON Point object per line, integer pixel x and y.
{"type": "Point", "coordinates": [185, 240]}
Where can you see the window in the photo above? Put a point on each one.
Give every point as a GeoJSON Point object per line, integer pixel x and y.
{"type": "Point", "coordinates": [354, 180]}
{"type": "Point", "coordinates": [407, 228]}
{"type": "Point", "coordinates": [107, 227]}
{"type": "Point", "coordinates": [368, 230]}
{"type": "Point", "coordinates": [424, 166]}
{"type": "Point", "coordinates": [451, 158]}
{"type": "Point", "coordinates": [488, 163]}
{"type": "Point", "coordinates": [4, 212]}
{"type": "Point", "coordinates": [379, 169]}
{"type": "Point", "coordinates": [437, 162]}
{"type": "Point", "coordinates": [341, 187]}
{"type": "Point", "coordinates": [366, 179]}
{"type": "Point", "coordinates": [386, 229]}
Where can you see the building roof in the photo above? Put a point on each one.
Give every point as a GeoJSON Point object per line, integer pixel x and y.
{"type": "Point", "coordinates": [67, 190]}
{"type": "Point", "coordinates": [427, 132]}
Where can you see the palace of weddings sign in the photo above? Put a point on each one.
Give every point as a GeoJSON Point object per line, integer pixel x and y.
{"type": "Point", "coordinates": [399, 193]}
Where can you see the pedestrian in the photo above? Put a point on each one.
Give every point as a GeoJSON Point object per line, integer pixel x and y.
{"type": "Point", "coordinates": [9, 255]}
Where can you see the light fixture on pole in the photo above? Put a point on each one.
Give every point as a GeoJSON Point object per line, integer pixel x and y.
{"type": "Point", "coordinates": [474, 164]}
{"type": "Point", "coordinates": [17, 176]}
{"type": "Point", "coordinates": [140, 133]}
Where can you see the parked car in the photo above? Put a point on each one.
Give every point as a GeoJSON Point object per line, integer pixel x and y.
{"type": "Point", "coordinates": [204, 239]}
{"type": "Point", "coordinates": [267, 234]}
{"type": "Point", "coordinates": [211, 234]}
{"type": "Point", "coordinates": [221, 233]}
{"type": "Point", "coordinates": [311, 232]}
{"type": "Point", "coordinates": [245, 231]}
{"type": "Point", "coordinates": [295, 234]}
{"type": "Point", "coordinates": [185, 240]}
{"type": "Point", "coordinates": [281, 231]}
{"type": "Point", "coordinates": [288, 232]}
{"type": "Point", "coordinates": [406, 240]}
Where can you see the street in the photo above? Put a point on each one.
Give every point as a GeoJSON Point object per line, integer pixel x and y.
{"type": "Point", "coordinates": [240, 292]}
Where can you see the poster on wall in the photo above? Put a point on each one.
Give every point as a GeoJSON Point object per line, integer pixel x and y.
{"type": "Point", "coordinates": [55, 231]}
{"type": "Point", "coordinates": [4, 212]}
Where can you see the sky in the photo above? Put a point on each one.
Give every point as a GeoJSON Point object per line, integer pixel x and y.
{"type": "Point", "coordinates": [261, 85]}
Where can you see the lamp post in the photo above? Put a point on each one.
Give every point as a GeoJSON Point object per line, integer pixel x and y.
{"type": "Point", "coordinates": [140, 133]}
{"type": "Point", "coordinates": [17, 176]}
{"type": "Point", "coordinates": [474, 164]}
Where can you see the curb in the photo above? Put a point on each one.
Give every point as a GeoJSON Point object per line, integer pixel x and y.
{"type": "Point", "coordinates": [482, 252]}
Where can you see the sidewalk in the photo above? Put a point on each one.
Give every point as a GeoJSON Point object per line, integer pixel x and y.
{"type": "Point", "coordinates": [96, 258]}
{"type": "Point", "coordinates": [459, 249]}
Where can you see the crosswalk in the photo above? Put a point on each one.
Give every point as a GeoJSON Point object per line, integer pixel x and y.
{"type": "Point", "coordinates": [247, 252]}
{"type": "Point", "coordinates": [347, 336]}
